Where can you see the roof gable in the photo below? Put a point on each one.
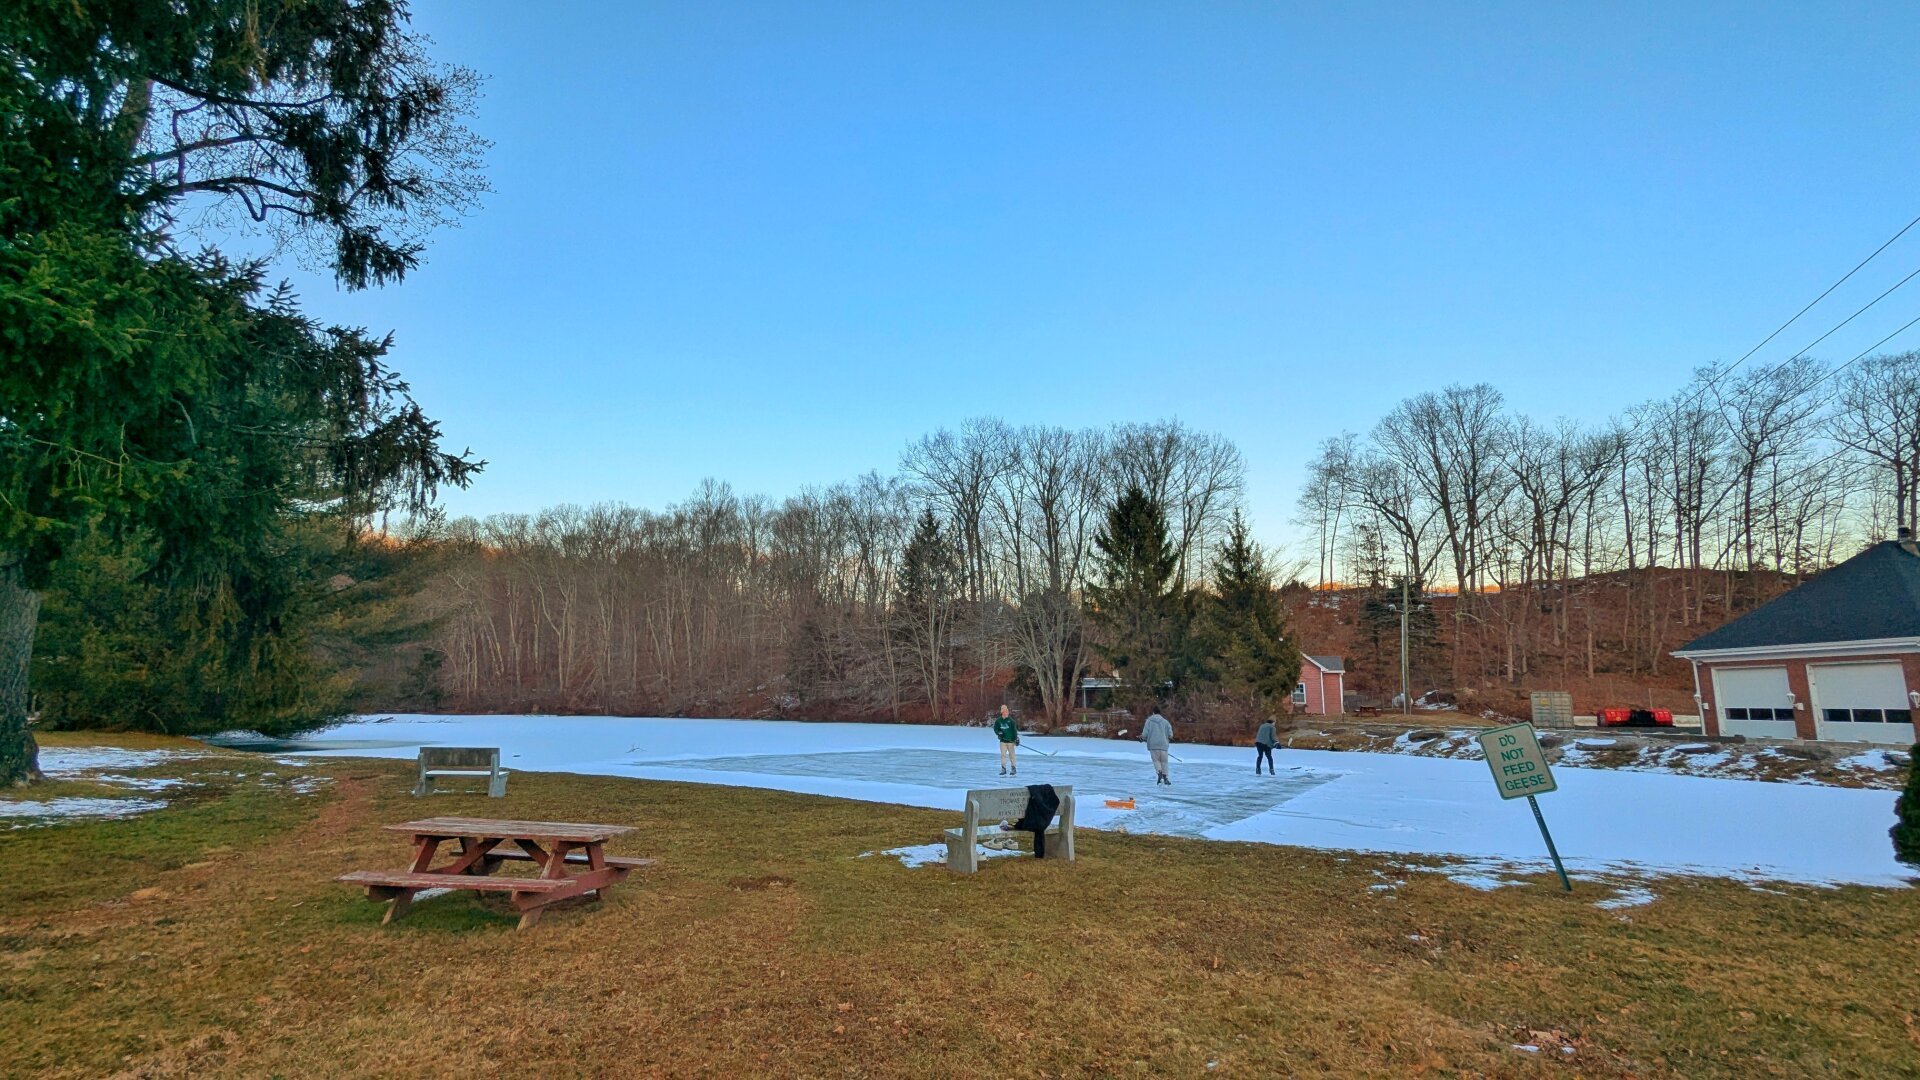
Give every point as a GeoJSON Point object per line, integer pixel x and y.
{"type": "Point", "coordinates": [1330, 664]}
{"type": "Point", "coordinates": [1874, 595]}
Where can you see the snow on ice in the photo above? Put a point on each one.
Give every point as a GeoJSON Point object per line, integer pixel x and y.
{"type": "Point", "coordinates": [1606, 822]}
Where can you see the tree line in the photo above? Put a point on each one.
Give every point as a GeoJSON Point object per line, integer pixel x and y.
{"type": "Point", "coordinates": [1567, 541]}
{"type": "Point", "coordinates": [992, 550]}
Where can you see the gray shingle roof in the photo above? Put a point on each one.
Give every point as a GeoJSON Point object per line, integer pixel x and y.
{"type": "Point", "coordinates": [1875, 594]}
{"type": "Point", "coordinates": [1329, 663]}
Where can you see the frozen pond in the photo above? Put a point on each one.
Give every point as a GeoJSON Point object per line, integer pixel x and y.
{"type": "Point", "coordinates": [1605, 821]}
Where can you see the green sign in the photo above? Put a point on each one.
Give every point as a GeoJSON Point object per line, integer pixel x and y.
{"type": "Point", "coordinates": [1519, 768]}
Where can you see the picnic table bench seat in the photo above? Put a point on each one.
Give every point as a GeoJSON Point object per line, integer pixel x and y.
{"type": "Point", "coordinates": [427, 879]}
{"type": "Point", "coordinates": [577, 858]}
{"type": "Point", "coordinates": [988, 806]}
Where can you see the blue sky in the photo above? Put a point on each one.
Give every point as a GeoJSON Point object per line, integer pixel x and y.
{"type": "Point", "coordinates": [772, 243]}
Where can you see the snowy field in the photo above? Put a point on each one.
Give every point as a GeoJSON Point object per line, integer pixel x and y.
{"type": "Point", "coordinates": [1607, 823]}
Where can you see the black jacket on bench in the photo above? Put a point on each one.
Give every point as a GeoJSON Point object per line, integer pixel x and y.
{"type": "Point", "coordinates": [1042, 804]}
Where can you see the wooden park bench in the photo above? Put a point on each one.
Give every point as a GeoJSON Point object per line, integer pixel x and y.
{"type": "Point", "coordinates": [556, 847]}
{"type": "Point", "coordinates": [989, 807]}
{"type": "Point", "coordinates": [461, 761]}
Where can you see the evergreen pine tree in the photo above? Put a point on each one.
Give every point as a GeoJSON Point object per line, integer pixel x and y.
{"type": "Point", "coordinates": [1906, 829]}
{"type": "Point", "coordinates": [1249, 657]}
{"type": "Point", "coordinates": [1136, 607]}
{"type": "Point", "coordinates": [929, 584]}
{"type": "Point", "coordinates": [157, 398]}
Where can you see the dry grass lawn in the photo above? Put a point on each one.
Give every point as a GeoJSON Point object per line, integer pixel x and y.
{"type": "Point", "coordinates": [209, 939]}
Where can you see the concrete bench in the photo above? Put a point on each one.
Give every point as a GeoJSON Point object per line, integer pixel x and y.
{"type": "Point", "coordinates": [438, 761]}
{"type": "Point", "coordinates": [989, 807]}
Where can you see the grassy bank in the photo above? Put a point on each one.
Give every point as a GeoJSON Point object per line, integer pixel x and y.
{"type": "Point", "coordinates": [209, 938]}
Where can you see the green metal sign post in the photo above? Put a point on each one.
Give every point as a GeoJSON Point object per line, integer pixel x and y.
{"type": "Point", "coordinates": [1520, 771]}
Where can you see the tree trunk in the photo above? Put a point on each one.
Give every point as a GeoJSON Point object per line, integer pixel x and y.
{"type": "Point", "coordinates": [19, 614]}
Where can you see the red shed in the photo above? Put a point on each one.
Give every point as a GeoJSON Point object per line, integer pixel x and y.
{"type": "Point", "coordinates": [1322, 690]}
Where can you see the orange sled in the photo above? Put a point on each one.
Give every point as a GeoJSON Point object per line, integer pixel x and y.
{"type": "Point", "coordinates": [1119, 804]}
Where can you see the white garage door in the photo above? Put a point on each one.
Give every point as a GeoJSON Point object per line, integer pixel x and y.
{"type": "Point", "coordinates": [1754, 701]}
{"type": "Point", "coordinates": [1862, 702]}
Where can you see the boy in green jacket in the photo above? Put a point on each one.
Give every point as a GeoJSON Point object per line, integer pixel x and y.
{"type": "Point", "coordinates": [1009, 733]}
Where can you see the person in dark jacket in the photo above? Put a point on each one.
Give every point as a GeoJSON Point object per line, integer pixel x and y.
{"type": "Point", "coordinates": [1263, 748]}
{"type": "Point", "coordinates": [1009, 735]}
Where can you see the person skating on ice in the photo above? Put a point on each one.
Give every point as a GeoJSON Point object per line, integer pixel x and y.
{"type": "Point", "coordinates": [1158, 735]}
{"type": "Point", "coordinates": [1009, 735]}
{"type": "Point", "coordinates": [1263, 748]}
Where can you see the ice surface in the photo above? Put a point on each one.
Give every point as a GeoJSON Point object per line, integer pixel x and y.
{"type": "Point", "coordinates": [1203, 796]}
{"type": "Point", "coordinates": [1604, 821]}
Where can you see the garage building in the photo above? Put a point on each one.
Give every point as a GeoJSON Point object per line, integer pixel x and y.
{"type": "Point", "coordinates": [1837, 658]}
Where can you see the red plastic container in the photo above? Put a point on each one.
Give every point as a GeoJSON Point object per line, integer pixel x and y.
{"type": "Point", "coordinates": [1622, 717]}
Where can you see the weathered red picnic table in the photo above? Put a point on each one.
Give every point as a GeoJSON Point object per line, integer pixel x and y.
{"type": "Point", "coordinates": [484, 845]}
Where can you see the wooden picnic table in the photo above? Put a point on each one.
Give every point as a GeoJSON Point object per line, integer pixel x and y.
{"type": "Point", "coordinates": [555, 847]}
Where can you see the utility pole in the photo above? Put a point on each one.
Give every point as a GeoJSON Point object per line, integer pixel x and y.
{"type": "Point", "coordinates": [1406, 691]}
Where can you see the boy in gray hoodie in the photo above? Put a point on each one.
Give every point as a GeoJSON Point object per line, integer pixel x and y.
{"type": "Point", "coordinates": [1263, 748]}
{"type": "Point", "coordinates": [1158, 735]}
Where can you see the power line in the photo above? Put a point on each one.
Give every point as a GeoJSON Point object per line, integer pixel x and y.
{"type": "Point", "coordinates": [1863, 354]}
{"type": "Point", "coordinates": [1724, 372]}
{"type": "Point", "coordinates": [1856, 315]}
{"type": "Point", "coordinates": [1844, 449]}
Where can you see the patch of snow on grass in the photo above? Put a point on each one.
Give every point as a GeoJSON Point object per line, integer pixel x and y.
{"type": "Point", "coordinates": [1482, 882]}
{"type": "Point", "coordinates": [934, 854]}
{"type": "Point", "coordinates": [1626, 896]}
{"type": "Point", "coordinates": [66, 762]}
{"type": "Point", "coordinates": [51, 811]}
{"type": "Point", "coordinates": [138, 783]}
{"type": "Point", "coordinates": [1708, 762]}
{"type": "Point", "coordinates": [1869, 761]}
